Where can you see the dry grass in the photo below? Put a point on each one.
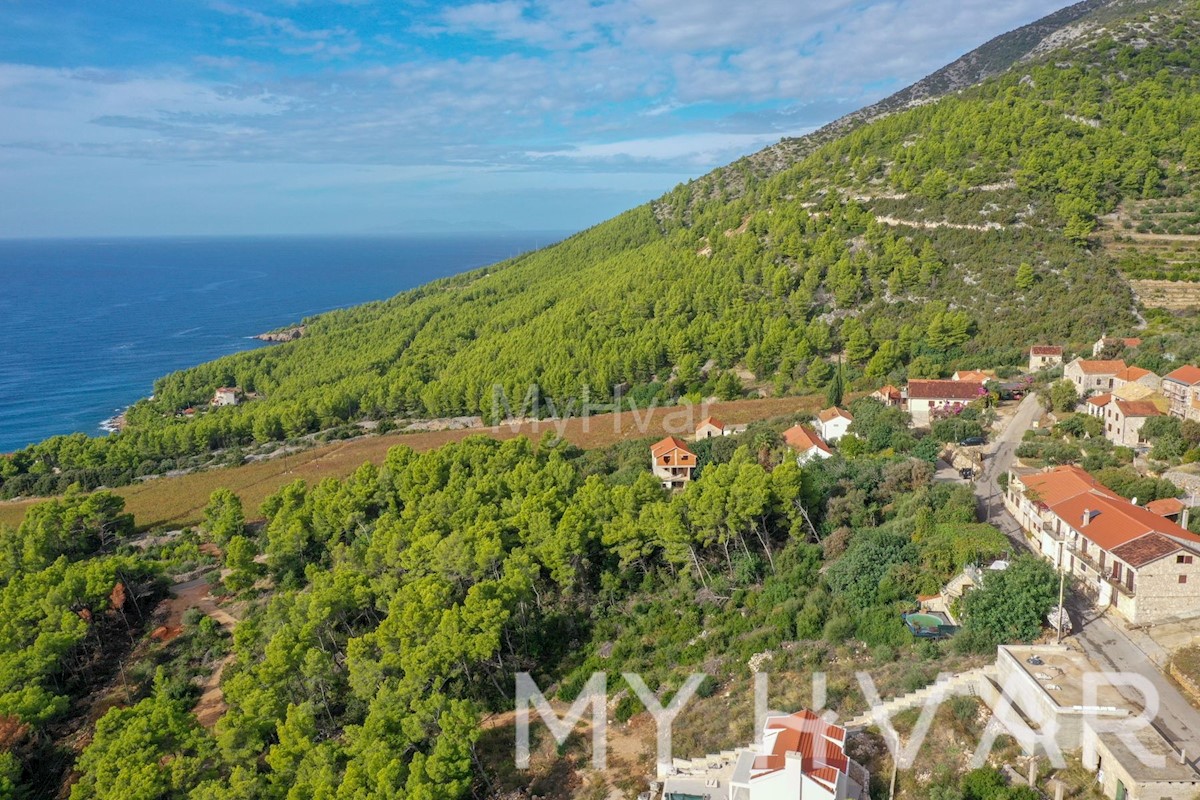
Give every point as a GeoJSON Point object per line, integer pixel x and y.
{"type": "Point", "coordinates": [180, 501]}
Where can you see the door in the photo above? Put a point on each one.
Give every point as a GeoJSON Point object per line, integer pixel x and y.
{"type": "Point", "coordinates": [1121, 793]}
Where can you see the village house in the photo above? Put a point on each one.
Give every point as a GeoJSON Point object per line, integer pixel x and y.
{"type": "Point", "coordinates": [1178, 386]}
{"type": "Point", "coordinates": [832, 423]}
{"type": "Point", "coordinates": [974, 375]}
{"type": "Point", "coordinates": [672, 462]}
{"type": "Point", "coordinates": [1124, 556]}
{"type": "Point", "coordinates": [1123, 420]}
{"type": "Point", "coordinates": [807, 444]}
{"type": "Point", "coordinates": [1097, 405]}
{"type": "Point", "coordinates": [1135, 375]}
{"type": "Point", "coordinates": [1110, 341]}
{"type": "Point", "coordinates": [1092, 376]}
{"type": "Point", "coordinates": [226, 396]}
{"type": "Point", "coordinates": [800, 757]}
{"type": "Point", "coordinates": [1045, 356]}
{"type": "Point", "coordinates": [926, 399]}
{"type": "Point", "coordinates": [1171, 508]}
{"type": "Point", "coordinates": [888, 395]}
{"type": "Point", "coordinates": [711, 428]}
{"type": "Point", "coordinates": [1192, 411]}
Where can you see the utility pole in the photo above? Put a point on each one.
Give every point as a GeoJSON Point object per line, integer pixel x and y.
{"type": "Point", "coordinates": [1062, 585]}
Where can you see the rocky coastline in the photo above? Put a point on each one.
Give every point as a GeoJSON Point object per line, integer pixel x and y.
{"type": "Point", "coordinates": [282, 335]}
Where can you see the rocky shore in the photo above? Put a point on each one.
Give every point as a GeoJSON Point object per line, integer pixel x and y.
{"type": "Point", "coordinates": [283, 335]}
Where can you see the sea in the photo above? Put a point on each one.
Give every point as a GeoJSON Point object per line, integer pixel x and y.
{"type": "Point", "coordinates": [86, 325]}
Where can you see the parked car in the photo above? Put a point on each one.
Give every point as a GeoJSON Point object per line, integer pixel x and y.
{"type": "Point", "coordinates": [973, 441]}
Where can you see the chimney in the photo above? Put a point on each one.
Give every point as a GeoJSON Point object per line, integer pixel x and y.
{"type": "Point", "coordinates": [1087, 516]}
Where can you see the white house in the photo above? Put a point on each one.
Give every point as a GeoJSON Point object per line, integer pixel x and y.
{"type": "Point", "coordinates": [1105, 341]}
{"type": "Point", "coordinates": [927, 398]}
{"type": "Point", "coordinates": [889, 395]}
{"type": "Point", "coordinates": [711, 428]}
{"type": "Point", "coordinates": [226, 396]}
{"type": "Point", "coordinates": [832, 423]}
{"type": "Point", "coordinates": [807, 443]}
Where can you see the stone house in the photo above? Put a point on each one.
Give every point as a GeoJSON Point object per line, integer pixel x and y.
{"type": "Point", "coordinates": [832, 423]}
{"type": "Point", "coordinates": [1045, 356]}
{"type": "Point", "coordinates": [1124, 556]}
{"type": "Point", "coordinates": [1092, 376]}
{"type": "Point", "coordinates": [1097, 405]}
{"type": "Point", "coordinates": [1136, 375]}
{"type": "Point", "coordinates": [928, 398]}
{"type": "Point", "coordinates": [672, 462]}
{"type": "Point", "coordinates": [1123, 420]}
{"type": "Point", "coordinates": [1178, 386]}
{"type": "Point", "coordinates": [1108, 341]}
{"type": "Point", "coordinates": [807, 444]}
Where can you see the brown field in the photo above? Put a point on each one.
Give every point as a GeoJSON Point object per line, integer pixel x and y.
{"type": "Point", "coordinates": [180, 501]}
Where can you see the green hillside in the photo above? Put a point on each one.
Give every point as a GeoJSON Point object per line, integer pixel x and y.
{"type": "Point", "coordinates": [896, 244]}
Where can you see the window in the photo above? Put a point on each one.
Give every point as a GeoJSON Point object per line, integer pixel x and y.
{"type": "Point", "coordinates": [1183, 578]}
{"type": "Point", "coordinates": [1183, 559]}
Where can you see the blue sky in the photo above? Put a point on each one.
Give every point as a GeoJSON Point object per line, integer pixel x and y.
{"type": "Point", "coordinates": [231, 117]}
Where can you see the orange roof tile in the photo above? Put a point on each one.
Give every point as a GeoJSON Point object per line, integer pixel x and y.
{"type": "Point", "coordinates": [1187, 375]}
{"type": "Point", "coordinates": [1167, 506]}
{"type": "Point", "coordinates": [804, 438]}
{"type": "Point", "coordinates": [1060, 483]}
{"type": "Point", "coordinates": [662, 453]}
{"type": "Point", "coordinates": [1099, 400]}
{"type": "Point", "coordinates": [716, 423]}
{"type": "Point", "coordinates": [945, 390]}
{"type": "Point", "coordinates": [830, 414]}
{"type": "Point", "coordinates": [1089, 367]}
{"type": "Point", "coordinates": [1115, 521]}
{"type": "Point", "coordinates": [889, 391]}
{"type": "Point", "coordinates": [1144, 549]}
{"type": "Point", "coordinates": [1046, 350]}
{"type": "Point", "coordinates": [1132, 374]}
{"type": "Point", "coordinates": [1138, 408]}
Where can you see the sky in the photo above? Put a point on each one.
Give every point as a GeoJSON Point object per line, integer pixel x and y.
{"type": "Point", "coordinates": [232, 117]}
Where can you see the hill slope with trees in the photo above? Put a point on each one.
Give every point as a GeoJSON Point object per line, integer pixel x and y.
{"type": "Point", "coordinates": [948, 234]}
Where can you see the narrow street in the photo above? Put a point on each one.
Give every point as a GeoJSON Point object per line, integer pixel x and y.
{"type": "Point", "coordinates": [1104, 642]}
{"type": "Point", "coordinates": [997, 460]}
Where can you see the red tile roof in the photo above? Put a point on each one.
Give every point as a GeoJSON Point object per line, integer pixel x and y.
{"type": "Point", "coordinates": [1060, 484]}
{"type": "Point", "coordinates": [716, 423]}
{"type": "Point", "coordinates": [1143, 550]}
{"type": "Point", "coordinates": [1187, 375]}
{"type": "Point", "coordinates": [889, 391]}
{"type": "Point", "coordinates": [804, 438]}
{"type": "Point", "coordinates": [1116, 521]}
{"type": "Point", "coordinates": [830, 414]}
{"type": "Point", "coordinates": [662, 453]}
{"type": "Point", "coordinates": [1089, 367]}
{"type": "Point", "coordinates": [1099, 400]}
{"type": "Point", "coordinates": [976, 375]}
{"type": "Point", "coordinates": [1167, 506]}
{"type": "Point", "coordinates": [1046, 350]}
{"type": "Point", "coordinates": [820, 745]}
{"type": "Point", "coordinates": [1138, 408]}
{"type": "Point", "coordinates": [1132, 374]}
{"type": "Point", "coordinates": [945, 390]}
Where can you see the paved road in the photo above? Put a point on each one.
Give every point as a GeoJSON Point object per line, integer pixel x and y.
{"type": "Point", "coordinates": [1109, 647]}
{"type": "Point", "coordinates": [997, 459]}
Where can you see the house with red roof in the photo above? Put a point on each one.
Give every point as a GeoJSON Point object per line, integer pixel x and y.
{"type": "Point", "coordinates": [807, 443]}
{"type": "Point", "coordinates": [888, 395]}
{"type": "Point", "coordinates": [1092, 376]}
{"type": "Point", "coordinates": [832, 423]}
{"type": "Point", "coordinates": [1097, 405]}
{"type": "Point", "coordinates": [1123, 420]}
{"type": "Point", "coordinates": [1111, 341]}
{"type": "Point", "coordinates": [1045, 356]}
{"type": "Point", "coordinates": [672, 462]}
{"type": "Point", "coordinates": [710, 428]}
{"type": "Point", "coordinates": [927, 399]}
{"type": "Point", "coordinates": [1178, 386]}
{"type": "Point", "coordinates": [1136, 375]}
{"type": "Point", "coordinates": [1143, 564]}
{"type": "Point", "coordinates": [226, 396]}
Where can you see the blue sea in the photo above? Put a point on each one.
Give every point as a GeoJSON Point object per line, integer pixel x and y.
{"type": "Point", "coordinates": [87, 325]}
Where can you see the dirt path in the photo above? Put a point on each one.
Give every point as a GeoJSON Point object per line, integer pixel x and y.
{"type": "Point", "coordinates": [930, 225]}
{"type": "Point", "coordinates": [195, 594]}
